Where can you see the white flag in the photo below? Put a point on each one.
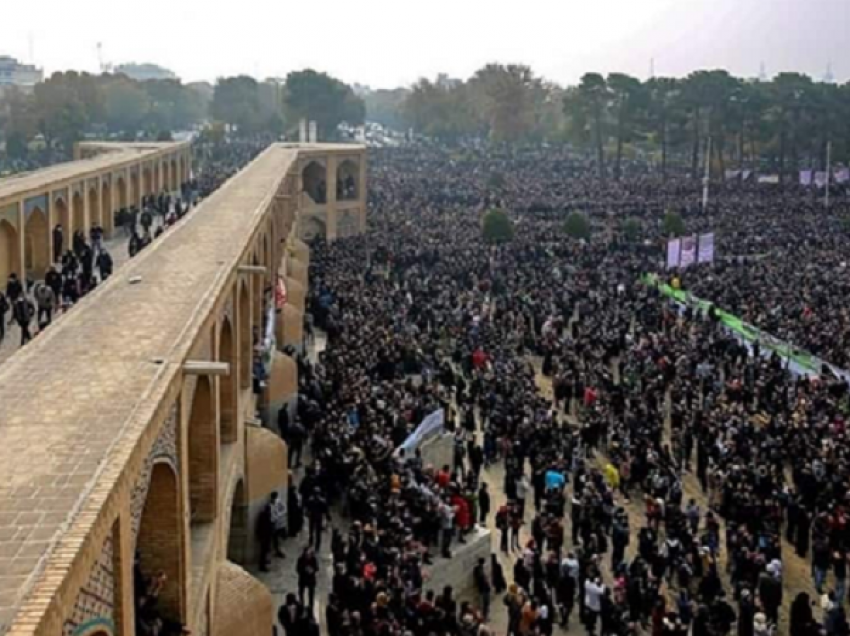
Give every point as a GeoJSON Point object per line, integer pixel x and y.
{"type": "Point", "coordinates": [705, 253]}
{"type": "Point", "coordinates": [689, 251]}
{"type": "Point", "coordinates": [673, 249]}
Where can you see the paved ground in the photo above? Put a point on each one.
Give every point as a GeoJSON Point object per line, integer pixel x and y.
{"type": "Point", "coordinates": [283, 579]}
{"type": "Point", "coordinates": [116, 246]}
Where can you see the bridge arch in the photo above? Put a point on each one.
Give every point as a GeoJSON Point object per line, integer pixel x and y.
{"type": "Point", "coordinates": [315, 182]}
{"type": "Point", "coordinates": [122, 192]}
{"type": "Point", "coordinates": [227, 384]}
{"type": "Point", "coordinates": [238, 532]}
{"type": "Point", "coordinates": [203, 454]}
{"type": "Point", "coordinates": [9, 251]}
{"type": "Point", "coordinates": [246, 358]}
{"type": "Point", "coordinates": [94, 208]}
{"type": "Point", "coordinates": [160, 539]}
{"type": "Point", "coordinates": [107, 212]}
{"type": "Point", "coordinates": [78, 207]}
{"type": "Point", "coordinates": [37, 243]}
{"type": "Point", "coordinates": [135, 195]}
{"type": "Point", "coordinates": [348, 181]}
{"type": "Point", "coordinates": [147, 182]}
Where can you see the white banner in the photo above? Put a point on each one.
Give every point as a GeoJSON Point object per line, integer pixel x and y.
{"type": "Point", "coordinates": [842, 175]}
{"type": "Point", "coordinates": [805, 177]}
{"type": "Point", "coordinates": [705, 252]}
{"type": "Point", "coordinates": [769, 178]}
{"type": "Point", "coordinates": [430, 426]}
{"type": "Point", "coordinates": [673, 250]}
{"type": "Point", "coordinates": [689, 251]}
{"type": "Point", "coordinates": [820, 178]}
{"type": "Point", "coordinates": [732, 174]}
{"type": "Point", "coordinates": [746, 175]}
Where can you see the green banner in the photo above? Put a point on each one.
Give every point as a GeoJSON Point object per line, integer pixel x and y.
{"type": "Point", "coordinates": [748, 332]}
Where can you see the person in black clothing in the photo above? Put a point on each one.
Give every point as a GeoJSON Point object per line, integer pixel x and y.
{"type": "Point", "coordinates": [53, 279]}
{"type": "Point", "coordinates": [69, 264]}
{"type": "Point", "coordinates": [482, 584]}
{"type": "Point", "coordinates": [4, 307]}
{"type": "Point", "coordinates": [317, 511]}
{"type": "Point", "coordinates": [23, 312]}
{"type": "Point", "coordinates": [290, 615]}
{"type": "Point", "coordinates": [483, 504]}
{"type": "Point", "coordinates": [265, 535]}
{"type": "Point", "coordinates": [14, 289]}
{"type": "Point", "coordinates": [57, 243]}
{"type": "Point", "coordinates": [104, 263]}
{"type": "Point", "coordinates": [307, 568]}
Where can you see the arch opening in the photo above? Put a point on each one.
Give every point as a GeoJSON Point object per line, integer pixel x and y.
{"type": "Point", "coordinates": [107, 212]}
{"type": "Point", "coordinates": [63, 218]}
{"type": "Point", "coordinates": [245, 338]}
{"type": "Point", "coordinates": [9, 252]}
{"type": "Point", "coordinates": [159, 540]}
{"type": "Point", "coordinates": [347, 181]}
{"type": "Point", "coordinates": [237, 539]}
{"type": "Point", "coordinates": [227, 385]}
{"type": "Point", "coordinates": [203, 454]}
{"type": "Point", "coordinates": [94, 209]}
{"type": "Point", "coordinates": [315, 182]}
{"type": "Point", "coordinates": [78, 206]}
{"type": "Point", "coordinates": [36, 244]}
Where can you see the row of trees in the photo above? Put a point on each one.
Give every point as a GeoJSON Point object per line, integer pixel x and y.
{"type": "Point", "coordinates": [786, 122]}
{"type": "Point", "coordinates": [274, 106]}
{"type": "Point", "coordinates": [68, 106]}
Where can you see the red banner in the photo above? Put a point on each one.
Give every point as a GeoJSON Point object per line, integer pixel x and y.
{"type": "Point", "coordinates": [280, 293]}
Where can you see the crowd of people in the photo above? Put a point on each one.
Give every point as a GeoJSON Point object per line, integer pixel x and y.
{"type": "Point", "coordinates": [652, 473]}
{"type": "Point", "coordinates": [81, 262]}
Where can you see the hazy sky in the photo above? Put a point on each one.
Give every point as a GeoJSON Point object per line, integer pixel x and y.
{"type": "Point", "coordinates": [386, 43]}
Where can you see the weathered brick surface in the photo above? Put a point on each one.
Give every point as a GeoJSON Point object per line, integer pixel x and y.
{"type": "Point", "coordinates": [112, 444]}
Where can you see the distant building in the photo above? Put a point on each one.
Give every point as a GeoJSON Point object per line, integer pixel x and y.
{"type": "Point", "coordinates": [13, 73]}
{"type": "Point", "coordinates": [144, 72]}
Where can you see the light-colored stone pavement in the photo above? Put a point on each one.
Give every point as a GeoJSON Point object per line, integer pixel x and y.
{"type": "Point", "coordinates": [74, 402]}
{"type": "Point", "coordinates": [117, 248]}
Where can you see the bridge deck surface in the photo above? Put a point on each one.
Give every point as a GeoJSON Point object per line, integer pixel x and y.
{"type": "Point", "coordinates": [83, 390]}
{"type": "Point", "coordinates": [16, 185]}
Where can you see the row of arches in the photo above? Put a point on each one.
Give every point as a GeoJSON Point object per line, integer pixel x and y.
{"type": "Point", "coordinates": [38, 245]}
{"type": "Point", "coordinates": [315, 181]}
{"type": "Point", "coordinates": [213, 423]}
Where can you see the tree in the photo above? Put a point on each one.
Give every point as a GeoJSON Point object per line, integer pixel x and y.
{"type": "Point", "coordinates": [627, 98]}
{"type": "Point", "coordinates": [663, 93]}
{"type": "Point", "coordinates": [66, 105]}
{"type": "Point", "coordinates": [321, 98]}
{"type": "Point", "coordinates": [497, 227]}
{"type": "Point", "coordinates": [236, 101]}
{"type": "Point", "coordinates": [673, 225]}
{"type": "Point", "coordinates": [127, 105]}
{"type": "Point", "coordinates": [386, 107]}
{"type": "Point", "coordinates": [505, 97]}
{"type": "Point", "coordinates": [588, 105]}
{"type": "Point", "coordinates": [632, 229]}
{"type": "Point", "coordinates": [440, 109]}
{"type": "Point", "coordinates": [20, 124]}
{"type": "Point", "coordinates": [577, 226]}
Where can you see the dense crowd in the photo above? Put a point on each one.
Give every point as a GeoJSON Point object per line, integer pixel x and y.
{"type": "Point", "coordinates": [663, 484]}
{"type": "Point", "coordinates": [82, 261]}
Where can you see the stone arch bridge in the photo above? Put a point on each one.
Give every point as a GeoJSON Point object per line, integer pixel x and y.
{"type": "Point", "coordinates": [78, 195]}
{"type": "Point", "coordinates": [130, 428]}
